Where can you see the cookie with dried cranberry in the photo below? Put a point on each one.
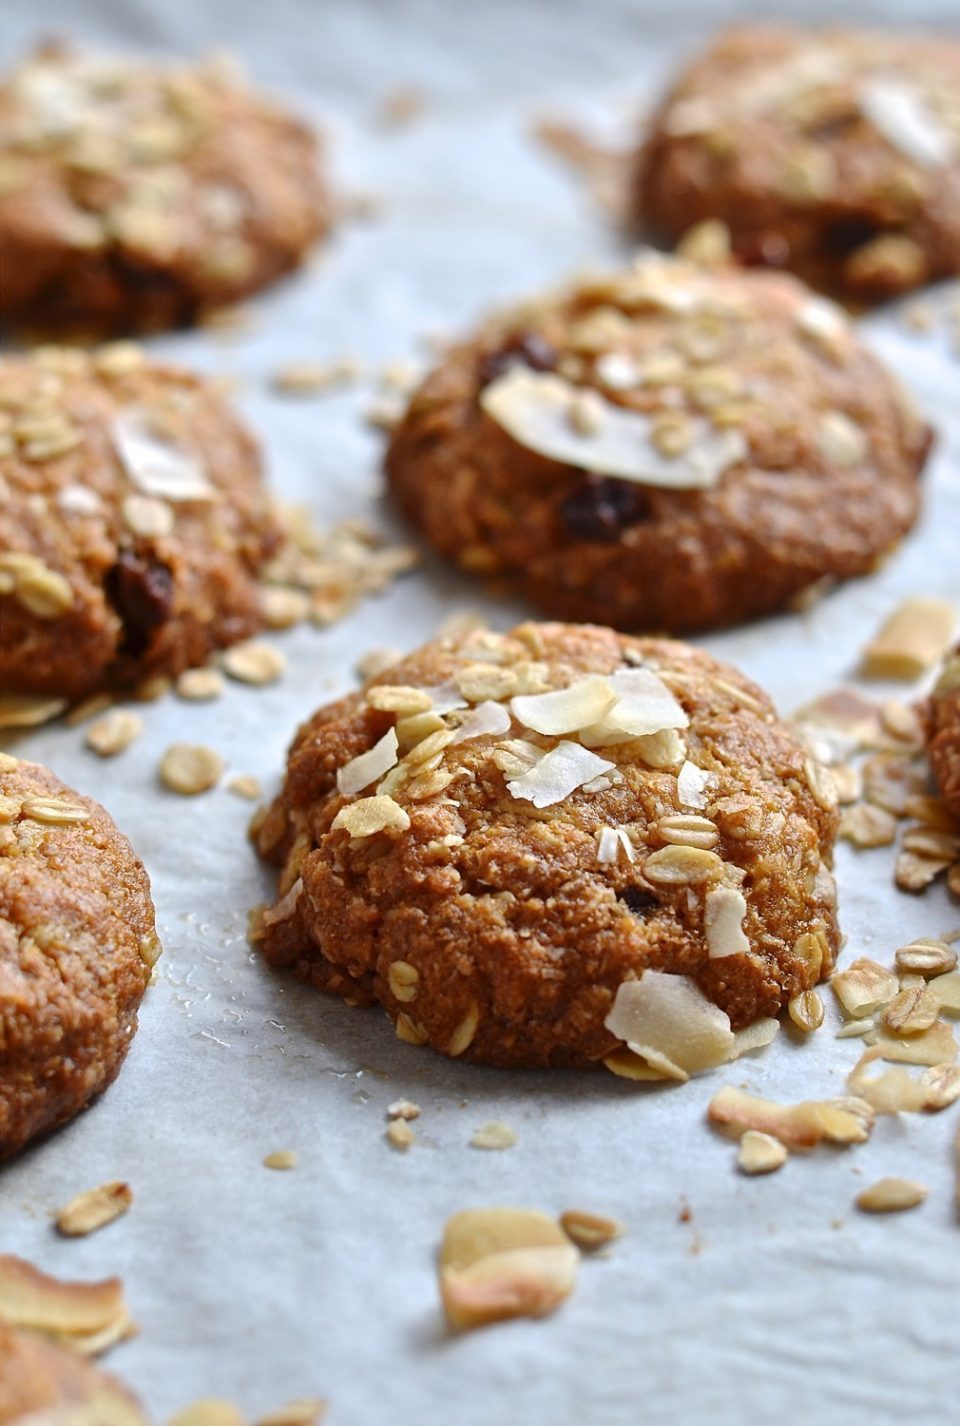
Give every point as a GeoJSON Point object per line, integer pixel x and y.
{"type": "Point", "coordinates": [834, 153]}
{"type": "Point", "coordinates": [671, 447]}
{"type": "Point", "coordinates": [134, 195]}
{"type": "Point", "coordinates": [77, 945]}
{"type": "Point", "coordinates": [133, 525]}
{"type": "Point", "coordinates": [518, 843]}
{"type": "Point", "coordinates": [943, 731]}
{"type": "Point", "coordinates": [41, 1381]}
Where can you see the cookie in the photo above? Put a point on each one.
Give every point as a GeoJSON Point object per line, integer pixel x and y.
{"type": "Point", "coordinates": [40, 1381]}
{"type": "Point", "coordinates": [943, 731]}
{"type": "Point", "coordinates": [133, 521]}
{"type": "Point", "coordinates": [77, 945]}
{"type": "Point", "coordinates": [500, 832]}
{"type": "Point", "coordinates": [834, 153]}
{"type": "Point", "coordinates": [135, 195]}
{"type": "Point", "coordinates": [669, 448]}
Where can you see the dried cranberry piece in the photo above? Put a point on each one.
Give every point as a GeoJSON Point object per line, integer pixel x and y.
{"type": "Point", "coordinates": [526, 347]}
{"type": "Point", "coordinates": [601, 508]}
{"type": "Point", "coordinates": [141, 591]}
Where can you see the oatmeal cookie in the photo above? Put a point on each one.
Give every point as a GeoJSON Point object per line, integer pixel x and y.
{"type": "Point", "coordinates": [133, 522]}
{"type": "Point", "coordinates": [42, 1382]}
{"type": "Point", "coordinates": [670, 448]}
{"type": "Point", "coordinates": [501, 831]}
{"type": "Point", "coordinates": [943, 731]}
{"type": "Point", "coordinates": [77, 944]}
{"type": "Point", "coordinates": [835, 153]}
{"type": "Point", "coordinates": [134, 195]}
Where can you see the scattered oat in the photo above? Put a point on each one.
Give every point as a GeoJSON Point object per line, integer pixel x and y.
{"type": "Point", "coordinates": [912, 639]}
{"type": "Point", "coordinates": [253, 662]}
{"type": "Point", "coordinates": [864, 987]}
{"type": "Point", "coordinates": [867, 826]}
{"type": "Point", "coordinates": [208, 1411]}
{"type": "Point", "coordinates": [399, 1134]}
{"type": "Point", "coordinates": [806, 1011]}
{"type": "Point", "coordinates": [403, 1109]}
{"type": "Point", "coordinates": [190, 768]}
{"type": "Point", "coordinates": [94, 1209]}
{"type": "Point", "coordinates": [245, 785]}
{"type": "Point", "coordinates": [497, 1263]}
{"type": "Point", "coordinates": [281, 1159]}
{"type": "Point", "coordinates": [89, 1316]}
{"type": "Point", "coordinates": [760, 1153]}
{"type": "Point", "coordinates": [114, 732]}
{"type": "Point", "coordinates": [199, 684]}
{"type": "Point", "coordinates": [891, 1195]}
{"type": "Point", "coordinates": [590, 1231]}
{"type": "Point", "coordinates": [494, 1135]}
{"type": "Point", "coordinates": [310, 378]}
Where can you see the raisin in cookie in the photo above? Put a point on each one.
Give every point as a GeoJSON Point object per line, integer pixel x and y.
{"type": "Point", "coordinates": [667, 448]}
{"type": "Point", "coordinates": [77, 944]}
{"type": "Point", "coordinates": [833, 153]}
{"type": "Point", "coordinates": [943, 731]}
{"type": "Point", "coordinates": [133, 524]}
{"type": "Point", "coordinates": [503, 831]}
{"type": "Point", "coordinates": [134, 195]}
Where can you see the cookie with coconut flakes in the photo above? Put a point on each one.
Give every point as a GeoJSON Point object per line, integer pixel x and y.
{"type": "Point", "coordinates": [670, 447]}
{"type": "Point", "coordinates": [77, 945]}
{"type": "Point", "coordinates": [134, 195]}
{"type": "Point", "coordinates": [133, 524]}
{"type": "Point", "coordinates": [834, 153]}
{"type": "Point", "coordinates": [540, 847]}
{"type": "Point", "coordinates": [943, 731]}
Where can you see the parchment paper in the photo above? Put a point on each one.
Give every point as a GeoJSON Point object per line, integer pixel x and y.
{"type": "Point", "coordinates": [775, 1301]}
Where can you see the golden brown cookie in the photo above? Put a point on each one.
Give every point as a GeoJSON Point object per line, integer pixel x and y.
{"type": "Point", "coordinates": [47, 1385]}
{"type": "Point", "coordinates": [666, 448]}
{"type": "Point", "coordinates": [834, 153]}
{"type": "Point", "coordinates": [134, 195]}
{"type": "Point", "coordinates": [77, 944]}
{"type": "Point", "coordinates": [943, 731]}
{"type": "Point", "coordinates": [133, 524]}
{"type": "Point", "coordinates": [494, 886]}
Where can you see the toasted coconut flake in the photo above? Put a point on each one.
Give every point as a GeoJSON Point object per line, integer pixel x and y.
{"type": "Point", "coordinates": [935, 1046]}
{"type": "Point", "coordinates": [760, 1153]}
{"type": "Point", "coordinates": [371, 815]}
{"type": "Point", "coordinates": [368, 767]}
{"type": "Point", "coordinates": [914, 638]}
{"type": "Point", "coordinates": [798, 1126]}
{"type": "Point", "coordinates": [94, 1209]}
{"type": "Point", "coordinates": [892, 1092]}
{"type": "Point", "coordinates": [670, 1023]}
{"type": "Point", "coordinates": [755, 1036]}
{"type": "Point", "coordinates": [566, 710]}
{"type": "Point", "coordinates": [534, 408]}
{"type": "Point", "coordinates": [590, 1231]}
{"type": "Point", "coordinates": [724, 910]}
{"type": "Point", "coordinates": [557, 774]}
{"type": "Point", "coordinates": [495, 1135]}
{"type": "Point", "coordinates": [891, 1195]}
{"type": "Point", "coordinates": [901, 114]}
{"type": "Point", "coordinates": [92, 1315]}
{"type": "Point", "coordinates": [946, 989]}
{"type": "Point", "coordinates": [208, 1411]}
{"type": "Point", "coordinates": [497, 1263]}
{"type": "Point", "coordinates": [626, 1065]}
{"type": "Point", "coordinates": [487, 719]}
{"type": "Point", "coordinates": [692, 784]}
{"type": "Point", "coordinates": [864, 987]}
{"type": "Point", "coordinates": [154, 465]}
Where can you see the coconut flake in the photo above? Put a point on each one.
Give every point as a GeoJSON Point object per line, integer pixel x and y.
{"type": "Point", "coordinates": [610, 841]}
{"type": "Point", "coordinates": [822, 319]}
{"type": "Point", "coordinates": [644, 707]}
{"type": "Point", "coordinates": [756, 1036]}
{"type": "Point", "coordinates": [370, 766]}
{"type": "Point", "coordinates": [724, 910]}
{"type": "Point", "coordinates": [565, 710]}
{"type": "Point", "coordinates": [692, 783]}
{"type": "Point", "coordinates": [155, 466]}
{"type": "Point", "coordinates": [444, 698]}
{"type": "Point", "coordinates": [899, 112]}
{"type": "Point", "coordinates": [534, 408]}
{"type": "Point", "coordinates": [487, 717]}
{"type": "Point", "coordinates": [669, 1022]}
{"type": "Point", "coordinates": [79, 500]}
{"type": "Point", "coordinates": [558, 773]}
{"type": "Point", "coordinates": [618, 371]}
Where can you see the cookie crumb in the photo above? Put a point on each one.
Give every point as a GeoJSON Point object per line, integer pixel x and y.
{"type": "Point", "coordinates": [590, 1231]}
{"type": "Point", "coordinates": [281, 1159]}
{"type": "Point", "coordinates": [190, 768]}
{"type": "Point", "coordinates": [914, 637]}
{"type": "Point", "coordinates": [399, 1134]}
{"type": "Point", "coordinates": [891, 1195]}
{"type": "Point", "coordinates": [403, 1109]}
{"type": "Point", "coordinates": [494, 1135]}
{"type": "Point", "coordinates": [198, 685]}
{"type": "Point", "coordinates": [245, 785]}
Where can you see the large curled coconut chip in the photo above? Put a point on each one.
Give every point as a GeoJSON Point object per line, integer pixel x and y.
{"type": "Point", "coordinates": [370, 766]}
{"type": "Point", "coordinates": [559, 773]}
{"type": "Point", "coordinates": [540, 411]}
{"type": "Point", "coordinates": [88, 1316]}
{"type": "Point", "coordinates": [914, 638]}
{"type": "Point", "coordinates": [497, 1263]}
{"type": "Point", "coordinates": [797, 1126]}
{"type": "Point", "coordinates": [669, 1022]}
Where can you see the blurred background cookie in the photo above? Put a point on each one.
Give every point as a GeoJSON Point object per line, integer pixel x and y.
{"type": "Point", "coordinates": [670, 447]}
{"type": "Point", "coordinates": [133, 524]}
{"type": "Point", "coordinates": [503, 830]}
{"type": "Point", "coordinates": [134, 195]}
{"type": "Point", "coordinates": [835, 153]}
{"type": "Point", "coordinates": [77, 946]}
